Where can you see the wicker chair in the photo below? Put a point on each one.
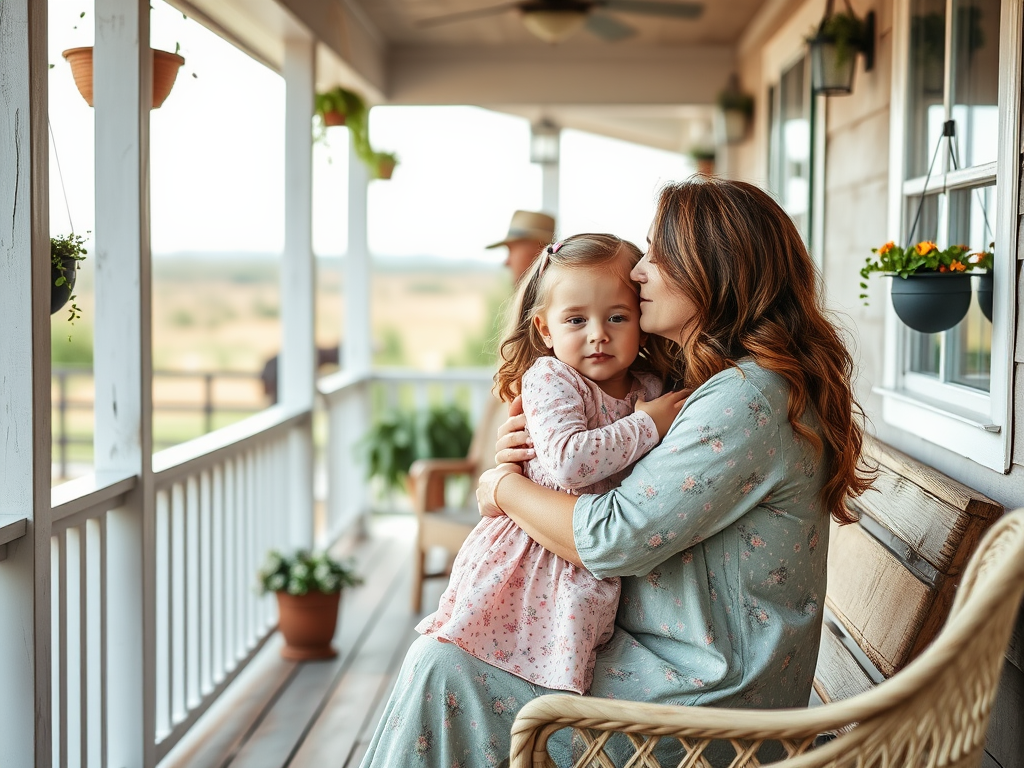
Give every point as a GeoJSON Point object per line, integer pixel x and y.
{"type": "Point", "coordinates": [934, 713]}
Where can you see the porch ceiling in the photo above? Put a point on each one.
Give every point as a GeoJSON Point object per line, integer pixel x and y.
{"type": "Point", "coordinates": [655, 87]}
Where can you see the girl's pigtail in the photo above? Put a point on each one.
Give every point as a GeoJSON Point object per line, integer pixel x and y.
{"type": "Point", "coordinates": [520, 347]}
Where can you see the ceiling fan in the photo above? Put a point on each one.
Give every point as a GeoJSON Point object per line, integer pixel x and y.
{"type": "Point", "coordinates": [555, 20]}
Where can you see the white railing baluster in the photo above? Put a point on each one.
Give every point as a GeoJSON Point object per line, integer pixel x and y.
{"type": "Point", "coordinates": [57, 660]}
{"type": "Point", "coordinates": [101, 646]}
{"type": "Point", "coordinates": [251, 490]}
{"type": "Point", "coordinates": [163, 613]}
{"type": "Point", "coordinates": [206, 583]}
{"type": "Point", "coordinates": [218, 576]}
{"type": "Point", "coordinates": [177, 603]}
{"type": "Point", "coordinates": [192, 607]}
{"type": "Point", "coordinates": [83, 645]}
{"type": "Point", "coordinates": [73, 649]}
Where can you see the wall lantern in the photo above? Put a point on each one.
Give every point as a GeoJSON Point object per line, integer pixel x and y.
{"type": "Point", "coordinates": [544, 142]}
{"type": "Point", "coordinates": [841, 36]}
{"type": "Point", "coordinates": [732, 113]}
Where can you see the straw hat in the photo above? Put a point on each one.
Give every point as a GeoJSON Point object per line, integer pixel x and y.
{"type": "Point", "coordinates": [528, 225]}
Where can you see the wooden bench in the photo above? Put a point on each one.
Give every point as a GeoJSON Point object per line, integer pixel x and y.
{"type": "Point", "coordinates": [892, 581]}
{"type": "Point", "coordinates": [892, 576]}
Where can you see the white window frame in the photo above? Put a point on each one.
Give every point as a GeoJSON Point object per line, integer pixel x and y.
{"type": "Point", "coordinates": [973, 424]}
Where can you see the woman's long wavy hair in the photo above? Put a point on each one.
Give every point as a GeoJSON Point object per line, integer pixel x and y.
{"type": "Point", "coordinates": [523, 344]}
{"type": "Point", "coordinates": [732, 250]}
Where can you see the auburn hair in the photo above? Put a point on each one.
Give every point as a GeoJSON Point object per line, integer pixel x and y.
{"type": "Point", "coordinates": [735, 253]}
{"type": "Point", "coordinates": [523, 345]}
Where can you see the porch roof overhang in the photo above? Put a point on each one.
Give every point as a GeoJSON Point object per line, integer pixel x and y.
{"type": "Point", "coordinates": [656, 88]}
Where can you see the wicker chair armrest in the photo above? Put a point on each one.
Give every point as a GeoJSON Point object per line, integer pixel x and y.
{"type": "Point", "coordinates": [426, 478]}
{"type": "Point", "coordinates": [745, 729]}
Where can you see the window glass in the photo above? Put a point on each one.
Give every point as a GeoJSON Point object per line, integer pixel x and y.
{"type": "Point", "coordinates": [925, 82]}
{"type": "Point", "coordinates": [975, 79]}
{"type": "Point", "coordinates": [923, 224]}
{"type": "Point", "coordinates": [972, 222]}
{"type": "Point", "coordinates": [791, 146]}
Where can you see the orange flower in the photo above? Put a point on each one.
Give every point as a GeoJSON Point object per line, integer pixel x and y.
{"type": "Point", "coordinates": [942, 268]}
{"type": "Point", "coordinates": [925, 247]}
{"type": "Point", "coordinates": [886, 248]}
{"type": "Point", "coordinates": [957, 266]}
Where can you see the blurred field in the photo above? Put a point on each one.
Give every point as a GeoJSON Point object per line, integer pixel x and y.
{"type": "Point", "coordinates": [222, 314]}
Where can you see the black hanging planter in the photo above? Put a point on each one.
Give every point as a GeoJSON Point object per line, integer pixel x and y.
{"type": "Point", "coordinates": [931, 302]}
{"type": "Point", "coordinates": [985, 294]}
{"type": "Point", "coordinates": [59, 294]}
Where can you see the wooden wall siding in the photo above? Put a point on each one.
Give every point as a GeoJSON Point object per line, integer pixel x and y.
{"type": "Point", "coordinates": [837, 676]}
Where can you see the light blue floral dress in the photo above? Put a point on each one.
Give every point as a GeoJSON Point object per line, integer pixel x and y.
{"type": "Point", "coordinates": [720, 538]}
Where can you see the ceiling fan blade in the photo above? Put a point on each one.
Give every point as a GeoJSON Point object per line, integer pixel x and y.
{"type": "Point", "coordinates": [608, 28]}
{"type": "Point", "coordinates": [684, 10]}
{"type": "Point", "coordinates": [450, 18]}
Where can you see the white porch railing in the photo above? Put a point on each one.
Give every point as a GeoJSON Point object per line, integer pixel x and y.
{"type": "Point", "coordinates": [351, 403]}
{"type": "Point", "coordinates": [221, 501]}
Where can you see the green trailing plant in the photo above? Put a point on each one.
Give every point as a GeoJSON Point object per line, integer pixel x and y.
{"type": "Point", "coordinates": [399, 438]}
{"type": "Point", "coordinates": [303, 571]}
{"type": "Point", "coordinates": [357, 120]}
{"type": "Point", "coordinates": [65, 248]}
{"type": "Point", "coordinates": [702, 153]}
{"type": "Point", "coordinates": [734, 99]}
{"type": "Point", "coordinates": [847, 31]}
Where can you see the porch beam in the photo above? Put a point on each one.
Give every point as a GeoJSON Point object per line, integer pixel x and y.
{"type": "Point", "coordinates": [25, 661]}
{"type": "Point", "coordinates": [297, 360]}
{"type": "Point", "coordinates": [123, 365]}
{"type": "Point", "coordinates": [511, 75]}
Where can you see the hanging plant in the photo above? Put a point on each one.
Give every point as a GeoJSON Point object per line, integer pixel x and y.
{"type": "Point", "coordinates": [340, 106]}
{"type": "Point", "coordinates": [66, 251]}
{"type": "Point", "coordinates": [847, 32]}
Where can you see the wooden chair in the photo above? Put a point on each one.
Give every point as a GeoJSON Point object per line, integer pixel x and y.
{"type": "Point", "coordinates": [448, 527]}
{"type": "Point", "coordinates": [934, 713]}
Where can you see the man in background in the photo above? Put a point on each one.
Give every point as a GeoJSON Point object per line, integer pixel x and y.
{"type": "Point", "coordinates": [528, 233]}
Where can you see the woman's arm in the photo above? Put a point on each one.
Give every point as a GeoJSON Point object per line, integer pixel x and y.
{"type": "Point", "coordinates": [545, 514]}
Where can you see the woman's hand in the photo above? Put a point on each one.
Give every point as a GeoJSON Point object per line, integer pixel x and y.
{"type": "Point", "coordinates": [664, 409]}
{"type": "Point", "coordinates": [514, 443]}
{"type": "Point", "coordinates": [486, 491]}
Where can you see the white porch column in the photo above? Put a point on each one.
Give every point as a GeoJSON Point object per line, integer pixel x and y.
{"type": "Point", "coordinates": [357, 357]}
{"type": "Point", "coordinates": [24, 387]}
{"type": "Point", "coordinates": [296, 370]}
{"type": "Point", "coordinates": [123, 441]}
{"type": "Point", "coordinates": [549, 191]}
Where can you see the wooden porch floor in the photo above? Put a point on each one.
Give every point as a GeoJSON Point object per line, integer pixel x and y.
{"type": "Point", "coordinates": [280, 713]}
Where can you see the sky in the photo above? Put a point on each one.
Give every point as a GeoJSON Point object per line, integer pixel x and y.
{"type": "Point", "coordinates": [217, 162]}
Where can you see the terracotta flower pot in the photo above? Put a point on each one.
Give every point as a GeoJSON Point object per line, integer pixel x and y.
{"type": "Point", "coordinates": [705, 166]}
{"type": "Point", "coordinates": [385, 168]}
{"type": "Point", "coordinates": [931, 302]}
{"type": "Point", "coordinates": [307, 623]}
{"type": "Point", "coordinates": [59, 294]}
{"type": "Point", "coordinates": [165, 71]}
{"type": "Point", "coordinates": [333, 119]}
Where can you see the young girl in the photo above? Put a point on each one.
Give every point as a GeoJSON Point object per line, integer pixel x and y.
{"type": "Point", "coordinates": [590, 390]}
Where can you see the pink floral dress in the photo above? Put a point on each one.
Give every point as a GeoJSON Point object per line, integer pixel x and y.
{"type": "Point", "coordinates": [513, 603]}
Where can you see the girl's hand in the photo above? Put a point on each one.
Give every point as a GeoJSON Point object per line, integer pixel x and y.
{"type": "Point", "coordinates": [664, 409]}
{"type": "Point", "coordinates": [514, 443]}
{"type": "Point", "coordinates": [485, 492]}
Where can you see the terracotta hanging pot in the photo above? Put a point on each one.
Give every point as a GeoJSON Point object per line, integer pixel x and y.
{"type": "Point", "coordinates": [931, 302]}
{"type": "Point", "coordinates": [333, 118]}
{"type": "Point", "coordinates": [165, 71]}
{"type": "Point", "coordinates": [59, 294]}
{"type": "Point", "coordinates": [307, 623]}
{"type": "Point", "coordinates": [985, 294]}
{"type": "Point", "coordinates": [385, 167]}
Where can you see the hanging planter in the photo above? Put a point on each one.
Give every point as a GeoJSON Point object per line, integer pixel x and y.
{"type": "Point", "coordinates": [386, 162]}
{"type": "Point", "coordinates": [165, 72]}
{"type": "Point", "coordinates": [833, 50]}
{"type": "Point", "coordinates": [65, 253]}
{"type": "Point", "coordinates": [985, 294]}
{"type": "Point", "coordinates": [733, 114]}
{"type": "Point", "coordinates": [931, 302]}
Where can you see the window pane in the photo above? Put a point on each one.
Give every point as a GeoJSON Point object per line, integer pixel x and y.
{"type": "Point", "coordinates": [794, 152]}
{"type": "Point", "coordinates": [925, 348]}
{"type": "Point", "coordinates": [972, 222]}
{"type": "Point", "coordinates": [975, 63]}
{"type": "Point", "coordinates": [926, 112]}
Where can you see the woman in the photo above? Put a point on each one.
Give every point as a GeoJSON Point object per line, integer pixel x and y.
{"type": "Point", "coordinates": [720, 532]}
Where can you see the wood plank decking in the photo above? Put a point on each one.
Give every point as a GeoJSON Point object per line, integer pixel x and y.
{"type": "Point", "coordinates": [280, 714]}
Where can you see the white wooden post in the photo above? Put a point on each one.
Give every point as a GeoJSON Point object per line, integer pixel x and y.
{"type": "Point", "coordinates": [356, 348]}
{"type": "Point", "coordinates": [25, 663]}
{"type": "Point", "coordinates": [549, 187]}
{"type": "Point", "coordinates": [296, 370]}
{"type": "Point", "coordinates": [123, 441]}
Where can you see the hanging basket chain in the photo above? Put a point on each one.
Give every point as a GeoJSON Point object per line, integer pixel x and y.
{"type": "Point", "coordinates": [60, 175]}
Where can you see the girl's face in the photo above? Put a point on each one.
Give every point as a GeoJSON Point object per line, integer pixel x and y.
{"type": "Point", "coordinates": [592, 324]}
{"type": "Point", "coordinates": [664, 309]}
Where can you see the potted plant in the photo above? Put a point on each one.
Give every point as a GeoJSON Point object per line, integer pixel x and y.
{"type": "Point", "coordinates": [384, 164]}
{"type": "Point", "coordinates": [984, 260]}
{"type": "Point", "coordinates": [165, 71]}
{"type": "Point", "coordinates": [340, 106]}
{"type": "Point", "coordinates": [399, 438]}
{"type": "Point", "coordinates": [735, 108]}
{"type": "Point", "coordinates": [308, 588]}
{"type": "Point", "coordinates": [705, 160]}
{"type": "Point", "coordinates": [65, 253]}
{"type": "Point", "coordinates": [934, 290]}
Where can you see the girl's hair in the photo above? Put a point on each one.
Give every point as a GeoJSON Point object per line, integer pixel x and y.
{"type": "Point", "coordinates": [523, 345]}
{"type": "Point", "coordinates": [737, 256]}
